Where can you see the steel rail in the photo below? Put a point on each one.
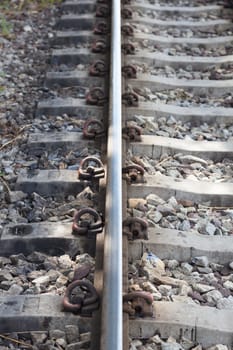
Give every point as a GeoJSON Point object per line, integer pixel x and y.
{"type": "Point", "coordinates": [112, 337]}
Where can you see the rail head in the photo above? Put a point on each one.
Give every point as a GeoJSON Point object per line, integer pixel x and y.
{"type": "Point", "coordinates": [112, 314]}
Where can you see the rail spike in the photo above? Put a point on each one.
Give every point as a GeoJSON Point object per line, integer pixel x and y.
{"type": "Point", "coordinates": [91, 168]}
{"type": "Point", "coordinates": [135, 228]}
{"type": "Point", "coordinates": [87, 222]}
{"type": "Point", "coordinates": [138, 304]}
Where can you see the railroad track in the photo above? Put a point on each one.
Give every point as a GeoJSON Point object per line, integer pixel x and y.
{"type": "Point", "coordinates": [172, 259]}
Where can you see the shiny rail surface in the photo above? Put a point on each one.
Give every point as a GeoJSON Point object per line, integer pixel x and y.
{"type": "Point", "coordinates": [112, 296]}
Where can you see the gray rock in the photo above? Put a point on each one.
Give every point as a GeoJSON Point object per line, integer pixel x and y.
{"type": "Point", "coordinates": [15, 289]}
{"type": "Point", "coordinates": [165, 209]}
{"type": "Point", "coordinates": [56, 334]}
{"type": "Point", "coordinates": [171, 346]}
{"type": "Point", "coordinates": [156, 216]}
{"type": "Point", "coordinates": [72, 333]}
{"type": "Point", "coordinates": [225, 303]}
{"type": "Point", "coordinates": [38, 337]}
{"type": "Point", "coordinates": [187, 268]}
{"type": "Point", "coordinates": [15, 196]}
{"type": "Point", "coordinates": [5, 275]}
{"type": "Point", "coordinates": [213, 296]}
{"type": "Point", "coordinates": [78, 346]}
{"type": "Point", "coordinates": [231, 265]}
{"type": "Point", "coordinates": [185, 226]}
{"type": "Point", "coordinates": [36, 257]}
{"type": "Point", "coordinates": [41, 281]}
{"type": "Point", "coordinates": [205, 270]}
{"type": "Point", "coordinates": [208, 229]}
{"type": "Point", "coordinates": [191, 159]}
{"type": "Point", "coordinates": [136, 342]}
{"type": "Point", "coordinates": [164, 289]}
{"type": "Point", "coordinates": [200, 261]}
{"type": "Point", "coordinates": [65, 262]}
{"type": "Point", "coordinates": [85, 337]}
{"type": "Point", "coordinates": [202, 288]}
{"type": "Point", "coordinates": [172, 264]}
{"type": "Point", "coordinates": [154, 200]}
{"type": "Point", "coordinates": [156, 339]}
{"type": "Point", "coordinates": [218, 347]}
{"type": "Point", "coordinates": [61, 281]}
{"type": "Point", "coordinates": [61, 342]}
{"type": "Point", "coordinates": [228, 285]}
{"type": "Point", "coordinates": [173, 202]}
{"type": "Point", "coordinates": [186, 343]}
{"type": "Point", "coordinates": [4, 261]}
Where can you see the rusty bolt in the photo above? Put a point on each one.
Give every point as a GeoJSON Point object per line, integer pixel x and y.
{"type": "Point", "coordinates": [127, 30]}
{"type": "Point", "coordinates": [134, 173]}
{"type": "Point", "coordinates": [102, 11]}
{"type": "Point", "coordinates": [98, 69]}
{"type": "Point", "coordinates": [87, 221]}
{"type": "Point", "coordinates": [129, 71]}
{"type": "Point", "coordinates": [139, 304]}
{"type": "Point", "coordinates": [135, 228]}
{"type": "Point", "coordinates": [80, 295]}
{"type": "Point", "coordinates": [132, 133]}
{"type": "Point", "coordinates": [96, 96]}
{"type": "Point", "coordinates": [128, 49]}
{"type": "Point", "coordinates": [101, 28]}
{"type": "Point", "coordinates": [130, 99]}
{"type": "Point", "coordinates": [93, 128]}
{"type": "Point", "coordinates": [99, 46]}
{"type": "Point", "coordinates": [126, 13]}
{"type": "Point", "coordinates": [91, 168]}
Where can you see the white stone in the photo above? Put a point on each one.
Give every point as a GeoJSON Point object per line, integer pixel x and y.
{"type": "Point", "coordinates": [228, 285]}
{"type": "Point", "coordinates": [187, 268]}
{"type": "Point", "coordinates": [200, 261]}
{"type": "Point", "coordinates": [218, 347]}
{"type": "Point", "coordinates": [153, 199]}
{"type": "Point", "coordinates": [42, 280]}
{"type": "Point", "coordinates": [213, 296]}
{"type": "Point", "coordinates": [15, 289]}
{"type": "Point", "coordinates": [172, 264]}
{"type": "Point", "coordinates": [164, 289]}
{"type": "Point", "coordinates": [27, 28]}
{"type": "Point", "coordinates": [225, 303]}
{"type": "Point", "coordinates": [155, 216]}
{"type": "Point", "coordinates": [202, 288]}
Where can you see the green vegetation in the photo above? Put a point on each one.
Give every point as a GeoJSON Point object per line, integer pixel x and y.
{"type": "Point", "coordinates": [9, 5]}
{"type": "Point", "coordinates": [9, 8]}
{"type": "Point", "coordinates": [5, 27]}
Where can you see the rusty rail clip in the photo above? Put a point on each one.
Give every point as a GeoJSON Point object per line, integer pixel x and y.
{"type": "Point", "coordinates": [127, 30]}
{"type": "Point", "coordinates": [128, 49]}
{"type": "Point", "coordinates": [101, 28]}
{"type": "Point", "coordinates": [129, 71]}
{"type": "Point", "coordinates": [126, 14]}
{"type": "Point", "coordinates": [132, 133]}
{"type": "Point", "coordinates": [87, 222]}
{"type": "Point", "coordinates": [91, 168]}
{"type": "Point", "coordinates": [81, 297]}
{"type": "Point", "coordinates": [134, 173]}
{"type": "Point", "coordinates": [135, 228]}
{"type": "Point", "coordinates": [130, 99]}
{"type": "Point", "coordinates": [98, 69]}
{"type": "Point", "coordinates": [93, 128]}
{"type": "Point", "coordinates": [102, 11]}
{"type": "Point", "coordinates": [99, 46]}
{"type": "Point", "coordinates": [126, 2]}
{"type": "Point", "coordinates": [96, 96]}
{"type": "Point", "coordinates": [138, 304]}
